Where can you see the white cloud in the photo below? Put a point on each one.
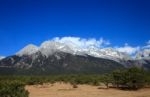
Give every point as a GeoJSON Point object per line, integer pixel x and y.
{"type": "Point", "coordinates": [128, 49]}
{"type": "Point", "coordinates": [148, 42]}
{"type": "Point", "coordinates": [147, 46]}
{"type": "Point", "coordinates": [82, 42]}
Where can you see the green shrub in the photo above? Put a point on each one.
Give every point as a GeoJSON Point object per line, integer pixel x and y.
{"type": "Point", "coordinates": [12, 89]}
{"type": "Point", "coordinates": [106, 79]}
{"type": "Point", "coordinates": [132, 78]}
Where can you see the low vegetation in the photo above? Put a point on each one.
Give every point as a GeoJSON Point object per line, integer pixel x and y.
{"type": "Point", "coordinates": [132, 78]}
{"type": "Point", "coordinates": [12, 89]}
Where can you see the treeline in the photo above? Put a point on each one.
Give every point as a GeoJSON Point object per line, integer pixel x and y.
{"type": "Point", "coordinates": [132, 78]}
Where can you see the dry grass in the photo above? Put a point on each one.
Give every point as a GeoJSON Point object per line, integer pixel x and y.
{"type": "Point", "coordinates": [66, 90]}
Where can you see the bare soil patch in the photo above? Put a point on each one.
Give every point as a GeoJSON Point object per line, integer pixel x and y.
{"type": "Point", "coordinates": [66, 90]}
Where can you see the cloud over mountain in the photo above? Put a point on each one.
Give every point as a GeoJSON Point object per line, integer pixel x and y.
{"type": "Point", "coordinates": [147, 45]}
{"type": "Point", "coordinates": [82, 42]}
{"type": "Point", "coordinates": [128, 49]}
{"type": "Point", "coordinates": [91, 46]}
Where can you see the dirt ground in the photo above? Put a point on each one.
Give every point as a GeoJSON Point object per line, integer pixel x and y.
{"type": "Point", "coordinates": [66, 90]}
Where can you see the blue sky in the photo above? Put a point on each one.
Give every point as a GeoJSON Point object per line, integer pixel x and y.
{"type": "Point", "coordinates": [33, 21]}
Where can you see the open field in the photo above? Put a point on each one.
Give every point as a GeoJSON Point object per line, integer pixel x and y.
{"type": "Point", "coordinates": [66, 90]}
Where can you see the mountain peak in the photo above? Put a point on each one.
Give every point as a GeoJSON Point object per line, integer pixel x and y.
{"type": "Point", "coordinates": [49, 47]}
{"type": "Point", "coordinates": [28, 50]}
{"type": "Point", "coordinates": [2, 57]}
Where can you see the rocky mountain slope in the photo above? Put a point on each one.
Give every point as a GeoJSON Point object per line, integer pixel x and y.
{"type": "Point", "coordinates": [57, 63]}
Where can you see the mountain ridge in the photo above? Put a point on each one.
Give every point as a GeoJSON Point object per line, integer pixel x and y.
{"type": "Point", "coordinates": [58, 63]}
{"type": "Point", "coordinates": [49, 47]}
{"type": "Point", "coordinates": [55, 57]}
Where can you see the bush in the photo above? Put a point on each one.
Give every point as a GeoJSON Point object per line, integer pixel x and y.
{"type": "Point", "coordinates": [132, 78]}
{"type": "Point", "coordinates": [106, 79]}
{"type": "Point", "coordinates": [12, 89]}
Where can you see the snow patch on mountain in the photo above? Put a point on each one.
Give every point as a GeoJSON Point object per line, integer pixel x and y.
{"type": "Point", "coordinates": [144, 54]}
{"type": "Point", "coordinates": [108, 53]}
{"type": "Point", "coordinates": [28, 50]}
{"type": "Point", "coordinates": [2, 57]}
{"type": "Point", "coordinates": [49, 47]}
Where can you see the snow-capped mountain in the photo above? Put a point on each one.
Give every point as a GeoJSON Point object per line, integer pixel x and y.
{"type": "Point", "coordinates": [2, 57]}
{"type": "Point", "coordinates": [48, 48]}
{"type": "Point", "coordinates": [28, 50]}
{"type": "Point", "coordinates": [109, 53]}
{"type": "Point", "coordinates": [56, 57]}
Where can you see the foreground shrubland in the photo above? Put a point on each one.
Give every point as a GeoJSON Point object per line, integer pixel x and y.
{"type": "Point", "coordinates": [132, 78]}
{"type": "Point", "coordinates": [12, 89]}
